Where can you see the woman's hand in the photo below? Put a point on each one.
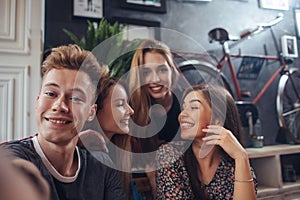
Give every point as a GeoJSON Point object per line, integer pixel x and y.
{"type": "Point", "coordinates": [218, 135]}
{"type": "Point", "coordinates": [244, 188]}
{"type": "Point", "coordinates": [92, 140]}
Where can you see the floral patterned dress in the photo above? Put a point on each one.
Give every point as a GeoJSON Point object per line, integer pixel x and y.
{"type": "Point", "coordinates": [173, 181]}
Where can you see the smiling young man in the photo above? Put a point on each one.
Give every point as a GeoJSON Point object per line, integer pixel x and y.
{"type": "Point", "coordinates": [65, 103]}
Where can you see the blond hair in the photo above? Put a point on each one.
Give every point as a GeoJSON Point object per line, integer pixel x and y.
{"type": "Point", "coordinates": [140, 99]}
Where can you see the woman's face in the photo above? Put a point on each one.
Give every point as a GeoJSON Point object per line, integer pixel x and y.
{"type": "Point", "coordinates": [115, 114]}
{"type": "Point", "coordinates": [157, 75]}
{"type": "Point", "coordinates": [195, 115]}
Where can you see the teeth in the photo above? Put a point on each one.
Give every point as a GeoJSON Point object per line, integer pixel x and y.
{"type": "Point", "coordinates": [156, 88]}
{"type": "Point", "coordinates": [186, 125]}
{"type": "Point", "coordinates": [57, 121]}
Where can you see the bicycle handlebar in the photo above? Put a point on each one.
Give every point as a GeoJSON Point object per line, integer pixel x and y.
{"type": "Point", "coordinates": [262, 26]}
{"type": "Point", "coordinates": [275, 21]}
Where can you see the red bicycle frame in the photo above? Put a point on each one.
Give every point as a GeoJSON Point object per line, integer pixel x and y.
{"type": "Point", "coordinates": [222, 36]}
{"type": "Point", "coordinates": [226, 59]}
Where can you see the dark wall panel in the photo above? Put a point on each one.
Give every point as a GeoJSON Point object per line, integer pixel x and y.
{"type": "Point", "coordinates": [195, 20]}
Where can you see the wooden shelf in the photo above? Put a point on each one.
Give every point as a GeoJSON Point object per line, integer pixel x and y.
{"type": "Point", "coordinates": [292, 185]}
{"type": "Point", "coordinates": [264, 191]}
{"type": "Point", "coordinates": [267, 162]}
{"type": "Point", "coordinates": [266, 151]}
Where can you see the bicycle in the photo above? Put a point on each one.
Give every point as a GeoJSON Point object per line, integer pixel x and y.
{"type": "Point", "coordinates": [288, 98]}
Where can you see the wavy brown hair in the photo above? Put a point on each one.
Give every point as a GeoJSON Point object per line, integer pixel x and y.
{"type": "Point", "coordinates": [122, 141]}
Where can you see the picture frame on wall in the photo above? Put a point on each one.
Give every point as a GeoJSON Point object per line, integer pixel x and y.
{"type": "Point", "coordinates": [158, 6]}
{"type": "Point", "coordinates": [289, 46]}
{"type": "Point", "coordinates": [297, 21]}
{"type": "Point", "coordinates": [137, 28]}
{"type": "Point", "coordinates": [88, 8]}
{"type": "Point", "coordinates": [274, 4]}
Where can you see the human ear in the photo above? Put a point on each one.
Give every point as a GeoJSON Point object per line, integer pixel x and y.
{"type": "Point", "coordinates": [92, 112]}
{"type": "Point", "coordinates": [36, 101]}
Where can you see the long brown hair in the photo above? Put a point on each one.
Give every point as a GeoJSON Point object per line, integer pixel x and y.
{"type": "Point", "coordinates": [122, 141]}
{"type": "Point", "coordinates": [221, 97]}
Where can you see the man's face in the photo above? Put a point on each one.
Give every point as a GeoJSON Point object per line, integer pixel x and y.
{"type": "Point", "coordinates": [64, 105]}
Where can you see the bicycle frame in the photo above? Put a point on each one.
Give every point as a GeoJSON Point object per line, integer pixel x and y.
{"type": "Point", "coordinates": [227, 59]}
{"type": "Point", "coordinates": [288, 88]}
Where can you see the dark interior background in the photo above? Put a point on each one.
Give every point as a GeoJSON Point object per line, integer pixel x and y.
{"type": "Point", "coordinates": [196, 19]}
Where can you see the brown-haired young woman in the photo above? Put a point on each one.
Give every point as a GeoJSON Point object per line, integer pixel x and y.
{"type": "Point", "coordinates": [214, 164]}
{"type": "Point", "coordinates": [112, 119]}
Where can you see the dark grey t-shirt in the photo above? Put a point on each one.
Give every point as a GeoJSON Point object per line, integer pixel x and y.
{"type": "Point", "coordinates": [95, 181]}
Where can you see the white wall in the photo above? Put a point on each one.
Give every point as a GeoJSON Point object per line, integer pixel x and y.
{"type": "Point", "coordinates": [21, 44]}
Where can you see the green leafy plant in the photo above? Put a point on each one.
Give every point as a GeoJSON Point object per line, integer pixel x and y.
{"type": "Point", "coordinates": [121, 65]}
{"type": "Point", "coordinates": [117, 56]}
{"type": "Point", "coordinates": [97, 33]}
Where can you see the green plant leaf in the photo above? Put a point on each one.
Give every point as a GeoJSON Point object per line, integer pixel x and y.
{"type": "Point", "coordinates": [122, 64]}
{"type": "Point", "coordinates": [97, 33]}
{"type": "Point", "coordinates": [72, 36]}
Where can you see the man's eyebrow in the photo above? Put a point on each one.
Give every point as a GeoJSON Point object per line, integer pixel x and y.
{"type": "Point", "coordinates": [162, 65]}
{"type": "Point", "coordinates": [57, 86]}
{"type": "Point", "coordinates": [79, 90]}
{"type": "Point", "coordinates": [51, 84]}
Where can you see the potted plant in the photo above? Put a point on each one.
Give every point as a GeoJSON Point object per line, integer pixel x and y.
{"type": "Point", "coordinates": [119, 55]}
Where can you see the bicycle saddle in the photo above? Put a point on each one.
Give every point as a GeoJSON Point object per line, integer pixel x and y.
{"type": "Point", "coordinates": [218, 34]}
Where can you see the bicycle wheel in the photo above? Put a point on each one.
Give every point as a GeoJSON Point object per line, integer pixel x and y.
{"type": "Point", "coordinates": [288, 101]}
{"type": "Point", "coordinates": [197, 72]}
